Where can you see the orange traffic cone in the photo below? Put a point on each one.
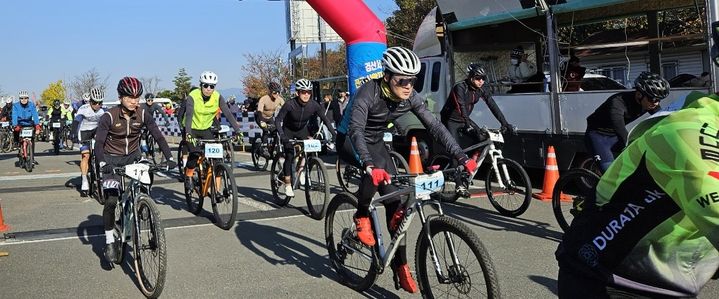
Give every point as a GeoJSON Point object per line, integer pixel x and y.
{"type": "Point", "coordinates": [415, 163]}
{"type": "Point", "coordinates": [551, 175]}
{"type": "Point", "coordinates": [3, 227]}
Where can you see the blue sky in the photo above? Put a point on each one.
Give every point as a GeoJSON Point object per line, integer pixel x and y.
{"type": "Point", "coordinates": [47, 40]}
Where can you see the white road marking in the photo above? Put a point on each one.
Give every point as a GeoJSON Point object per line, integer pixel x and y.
{"type": "Point", "coordinates": [39, 176]}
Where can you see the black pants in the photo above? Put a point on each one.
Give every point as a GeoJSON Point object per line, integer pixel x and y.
{"type": "Point", "coordinates": [381, 159]}
{"type": "Point", "coordinates": [289, 150]}
{"type": "Point", "coordinates": [266, 132]}
{"type": "Point", "coordinates": [111, 186]}
{"type": "Point", "coordinates": [195, 149]}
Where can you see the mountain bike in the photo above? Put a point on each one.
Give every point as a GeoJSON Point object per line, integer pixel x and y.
{"type": "Point", "coordinates": [308, 173]}
{"type": "Point", "coordinates": [507, 184]}
{"type": "Point", "coordinates": [27, 155]}
{"type": "Point", "coordinates": [264, 152]}
{"type": "Point", "coordinates": [149, 146]}
{"type": "Point", "coordinates": [350, 176]}
{"type": "Point", "coordinates": [450, 259]}
{"type": "Point", "coordinates": [573, 193]}
{"type": "Point", "coordinates": [137, 221]}
{"type": "Point", "coordinates": [222, 190]}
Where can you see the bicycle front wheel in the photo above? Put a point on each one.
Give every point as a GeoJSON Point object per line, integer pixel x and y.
{"type": "Point", "coordinates": [355, 263]}
{"type": "Point", "coordinates": [224, 197]}
{"type": "Point", "coordinates": [571, 193]}
{"type": "Point", "coordinates": [30, 157]}
{"type": "Point", "coordinates": [67, 141]}
{"type": "Point", "coordinates": [317, 189]}
{"type": "Point", "coordinates": [513, 196]}
{"type": "Point", "coordinates": [465, 265]}
{"type": "Point", "coordinates": [150, 248]}
{"type": "Point", "coordinates": [349, 176]}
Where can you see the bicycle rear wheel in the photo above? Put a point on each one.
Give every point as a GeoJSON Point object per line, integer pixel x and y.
{"type": "Point", "coordinates": [473, 277]}
{"type": "Point", "coordinates": [317, 188]}
{"type": "Point", "coordinates": [224, 197]}
{"type": "Point", "coordinates": [181, 149]}
{"type": "Point", "coordinates": [513, 199]}
{"type": "Point", "coordinates": [277, 182]}
{"type": "Point", "coordinates": [67, 141]}
{"type": "Point", "coordinates": [229, 154]}
{"type": "Point", "coordinates": [576, 187]}
{"type": "Point", "coordinates": [349, 176]}
{"type": "Point", "coordinates": [355, 263]}
{"type": "Point", "coordinates": [151, 148]}
{"type": "Point", "coordinates": [150, 248]}
{"type": "Point", "coordinates": [399, 162]}
{"type": "Point", "coordinates": [591, 164]}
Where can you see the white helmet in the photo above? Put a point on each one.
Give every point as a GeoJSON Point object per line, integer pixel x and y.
{"type": "Point", "coordinates": [303, 84]}
{"type": "Point", "coordinates": [23, 94]}
{"type": "Point", "coordinates": [97, 95]}
{"type": "Point", "coordinates": [401, 61]}
{"type": "Point", "coordinates": [208, 77]}
{"type": "Point", "coordinates": [86, 97]}
{"type": "Point", "coordinates": [66, 102]}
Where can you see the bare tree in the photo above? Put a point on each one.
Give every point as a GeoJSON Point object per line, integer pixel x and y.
{"type": "Point", "coordinates": [263, 68]}
{"type": "Point", "coordinates": [84, 82]}
{"type": "Point", "coordinates": [151, 84]}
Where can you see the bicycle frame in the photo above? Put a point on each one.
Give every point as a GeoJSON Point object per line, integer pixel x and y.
{"type": "Point", "coordinates": [413, 206]}
{"type": "Point", "coordinates": [210, 171]}
{"type": "Point", "coordinates": [487, 148]}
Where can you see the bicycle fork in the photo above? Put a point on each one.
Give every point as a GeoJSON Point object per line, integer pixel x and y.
{"type": "Point", "coordinates": [432, 250]}
{"type": "Point", "coordinates": [501, 174]}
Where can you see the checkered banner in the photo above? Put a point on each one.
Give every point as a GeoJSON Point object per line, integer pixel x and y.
{"type": "Point", "coordinates": [245, 119]}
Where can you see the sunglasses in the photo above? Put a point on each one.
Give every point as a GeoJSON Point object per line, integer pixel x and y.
{"type": "Point", "coordinates": [404, 81]}
{"type": "Point", "coordinates": [479, 78]}
{"type": "Point", "coordinates": [95, 103]}
{"type": "Point", "coordinates": [304, 91]}
{"type": "Point", "coordinates": [24, 98]}
{"type": "Point", "coordinates": [210, 86]}
{"type": "Point", "coordinates": [651, 100]}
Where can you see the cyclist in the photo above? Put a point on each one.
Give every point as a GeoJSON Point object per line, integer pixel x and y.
{"type": "Point", "coordinates": [6, 113]}
{"type": "Point", "coordinates": [24, 114]}
{"type": "Point", "coordinates": [376, 104]}
{"type": "Point", "coordinates": [117, 144]}
{"type": "Point", "coordinates": [60, 114]}
{"type": "Point", "coordinates": [459, 105]}
{"type": "Point", "coordinates": [201, 107]}
{"type": "Point", "coordinates": [266, 107]}
{"type": "Point", "coordinates": [154, 109]}
{"type": "Point", "coordinates": [653, 229]}
{"type": "Point", "coordinates": [606, 127]}
{"type": "Point", "coordinates": [292, 121]}
{"type": "Point", "coordinates": [86, 120]}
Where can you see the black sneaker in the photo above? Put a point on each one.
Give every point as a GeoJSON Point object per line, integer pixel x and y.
{"type": "Point", "coordinates": [111, 253]}
{"type": "Point", "coordinates": [84, 193]}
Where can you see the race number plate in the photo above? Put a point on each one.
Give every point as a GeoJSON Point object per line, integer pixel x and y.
{"type": "Point", "coordinates": [55, 125]}
{"type": "Point", "coordinates": [224, 129]}
{"type": "Point", "coordinates": [213, 150]}
{"type": "Point", "coordinates": [138, 171]}
{"type": "Point", "coordinates": [312, 146]}
{"type": "Point", "coordinates": [4, 124]}
{"type": "Point", "coordinates": [26, 132]}
{"type": "Point", "coordinates": [427, 184]}
{"type": "Point", "coordinates": [496, 136]}
{"type": "Point", "coordinates": [387, 137]}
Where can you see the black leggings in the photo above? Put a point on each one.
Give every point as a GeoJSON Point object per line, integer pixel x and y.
{"type": "Point", "coordinates": [289, 150]}
{"type": "Point", "coordinates": [111, 186]}
{"type": "Point", "coordinates": [381, 159]}
{"type": "Point", "coordinates": [196, 150]}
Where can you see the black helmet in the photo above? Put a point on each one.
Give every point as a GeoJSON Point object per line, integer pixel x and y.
{"type": "Point", "coordinates": [149, 96]}
{"type": "Point", "coordinates": [474, 69]}
{"type": "Point", "coordinates": [273, 87]}
{"type": "Point", "coordinates": [56, 103]}
{"type": "Point", "coordinates": [652, 85]}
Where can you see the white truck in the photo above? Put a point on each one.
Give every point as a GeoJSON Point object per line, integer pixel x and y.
{"type": "Point", "coordinates": [458, 32]}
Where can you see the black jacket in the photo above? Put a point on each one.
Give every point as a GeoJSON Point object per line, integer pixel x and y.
{"type": "Point", "coordinates": [615, 113]}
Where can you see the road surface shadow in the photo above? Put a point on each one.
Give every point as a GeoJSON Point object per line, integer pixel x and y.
{"type": "Point", "coordinates": [549, 283]}
{"type": "Point", "coordinates": [492, 220]}
{"type": "Point", "coordinates": [169, 197]}
{"type": "Point", "coordinates": [288, 251]}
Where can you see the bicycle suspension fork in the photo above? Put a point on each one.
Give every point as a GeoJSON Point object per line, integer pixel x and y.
{"type": "Point", "coordinates": [428, 235]}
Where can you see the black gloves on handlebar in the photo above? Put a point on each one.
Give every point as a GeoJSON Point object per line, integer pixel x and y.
{"type": "Point", "coordinates": [507, 128]}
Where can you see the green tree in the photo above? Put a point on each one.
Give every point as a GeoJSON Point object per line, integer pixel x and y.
{"type": "Point", "coordinates": [403, 23]}
{"type": "Point", "coordinates": [182, 84]}
{"type": "Point", "coordinates": [167, 94]}
{"type": "Point", "coordinates": [55, 90]}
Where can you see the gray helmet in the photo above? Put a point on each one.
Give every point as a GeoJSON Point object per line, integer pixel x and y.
{"type": "Point", "coordinates": [652, 85]}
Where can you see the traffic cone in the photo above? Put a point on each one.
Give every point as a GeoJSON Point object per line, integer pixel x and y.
{"type": "Point", "coordinates": [3, 227]}
{"type": "Point", "coordinates": [551, 175]}
{"type": "Point", "coordinates": [415, 163]}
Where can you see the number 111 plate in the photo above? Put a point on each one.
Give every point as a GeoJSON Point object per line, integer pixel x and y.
{"type": "Point", "coordinates": [427, 184]}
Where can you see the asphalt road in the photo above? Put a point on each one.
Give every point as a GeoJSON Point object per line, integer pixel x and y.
{"type": "Point", "coordinates": [56, 241]}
